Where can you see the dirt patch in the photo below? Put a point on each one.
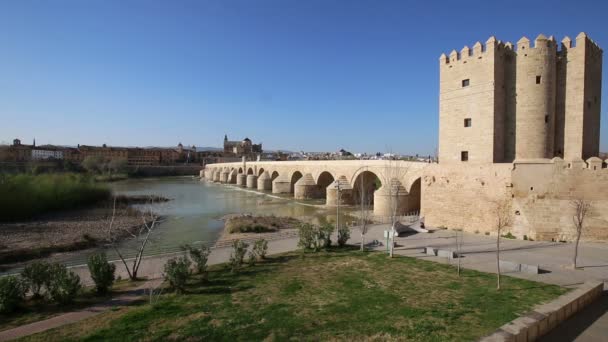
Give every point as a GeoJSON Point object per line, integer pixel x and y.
{"type": "Point", "coordinates": [64, 232]}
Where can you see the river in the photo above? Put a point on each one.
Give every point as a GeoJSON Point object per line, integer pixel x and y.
{"type": "Point", "coordinates": [193, 215]}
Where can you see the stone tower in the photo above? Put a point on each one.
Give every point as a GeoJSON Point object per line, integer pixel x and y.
{"type": "Point", "coordinates": [499, 103]}
{"type": "Point", "coordinates": [535, 98]}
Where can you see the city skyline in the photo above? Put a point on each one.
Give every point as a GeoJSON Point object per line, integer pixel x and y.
{"type": "Point", "coordinates": [312, 76]}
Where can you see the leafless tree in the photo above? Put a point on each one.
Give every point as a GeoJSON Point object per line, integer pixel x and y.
{"type": "Point", "coordinates": [581, 209]}
{"type": "Point", "coordinates": [395, 172]}
{"type": "Point", "coordinates": [503, 218]}
{"type": "Point", "coordinates": [365, 214]}
{"type": "Point", "coordinates": [459, 237]}
{"type": "Point", "coordinates": [141, 236]}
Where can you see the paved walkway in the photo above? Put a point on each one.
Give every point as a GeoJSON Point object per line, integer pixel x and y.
{"type": "Point", "coordinates": [75, 316]}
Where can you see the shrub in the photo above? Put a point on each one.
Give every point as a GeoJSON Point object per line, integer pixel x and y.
{"type": "Point", "coordinates": [261, 248]}
{"type": "Point", "coordinates": [102, 272]}
{"type": "Point", "coordinates": [509, 236]}
{"type": "Point", "coordinates": [324, 234]}
{"type": "Point", "coordinates": [12, 293]}
{"type": "Point", "coordinates": [258, 251]}
{"type": "Point", "coordinates": [343, 235]}
{"type": "Point", "coordinates": [35, 276]}
{"type": "Point", "coordinates": [177, 272]}
{"type": "Point", "coordinates": [200, 257]}
{"type": "Point", "coordinates": [239, 249]}
{"type": "Point", "coordinates": [308, 236]}
{"type": "Point", "coordinates": [63, 284]}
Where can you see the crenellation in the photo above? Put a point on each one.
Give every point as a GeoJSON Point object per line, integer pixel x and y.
{"type": "Point", "coordinates": [523, 43]}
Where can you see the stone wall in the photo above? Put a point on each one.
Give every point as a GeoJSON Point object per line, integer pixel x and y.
{"type": "Point", "coordinates": [460, 196]}
{"type": "Point", "coordinates": [543, 193]}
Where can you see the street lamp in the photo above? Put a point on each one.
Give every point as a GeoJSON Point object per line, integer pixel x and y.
{"type": "Point", "coordinates": [339, 189]}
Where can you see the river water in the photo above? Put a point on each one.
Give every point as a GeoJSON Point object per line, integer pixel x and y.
{"type": "Point", "coordinates": [193, 215]}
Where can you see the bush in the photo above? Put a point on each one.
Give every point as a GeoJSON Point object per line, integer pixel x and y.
{"type": "Point", "coordinates": [35, 276]}
{"type": "Point", "coordinates": [102, 272]}
{"type": "Point", "coordinates": [315, 237]}
{"type": "Point", "coordinates": [509, 236]}
{"type": "Point", "coordinates": [343, 235]}
{"type": "Point", "coordinates": [260, 247]}
{"type": "Point", "coordinates": [238, 254]}
{"type": "Point", "coordinates": [324, 234]}
{"type": "Point", "coordinates": [12, 293]}
{"type": "Point", "coordinates": [63, 285]}
{"type": "Point", "coordinates": [258, 251]}
{"type": "Point", "coordinates": [308, 236]}
{"type": "Point", "coordinates": [200, 257]}
{"type": "Point", "coordinates": [177, 272]}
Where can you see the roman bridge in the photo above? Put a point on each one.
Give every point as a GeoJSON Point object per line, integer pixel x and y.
{"type": "Point", "coordinates": [388, 186]}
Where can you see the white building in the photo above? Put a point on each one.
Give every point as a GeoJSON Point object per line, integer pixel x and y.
{"type": "Point", "coordinates": [39, 154]}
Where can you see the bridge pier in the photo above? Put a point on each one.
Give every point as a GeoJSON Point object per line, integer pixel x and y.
{"type": "Point", "coordinates": [224, 176]}
{"type": "Point", "coordinates": [389, 196]}
{"type": "Point", "coordinates": [264, 181]}
{"type": "Point", "coordinates": [346, 193]}
{"type": "Point", "coordinates": [252, 181]}
{"type": "Point", "coordinates": [232, 177]}
{"type": "Point", "coordinates": [281, 185]}
{"type": "Point", "coordinates": [241, 180]}
{"type": "Point", "coordinates": [306, 188]}
{"type": "Point", "coordinates": [216, 176]}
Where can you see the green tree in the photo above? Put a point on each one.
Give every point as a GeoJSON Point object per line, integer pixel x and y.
{"type": "Point", "coordinates": [93, 164]}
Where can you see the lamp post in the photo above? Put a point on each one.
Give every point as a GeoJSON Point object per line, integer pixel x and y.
{"type": "Point", "coordinates": [339, 189]}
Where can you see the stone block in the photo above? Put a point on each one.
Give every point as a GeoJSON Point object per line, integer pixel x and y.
{"type": "Point", "coordinates": [532, 269]}
{"type": "Point", "coordinates": [444, 253]}
{"type": "Point", "coordinates": [499, 336]}
{"type": "Point", "coordinates": [430, 251]}
{"type": "Point", "coordinates": [509, 266]}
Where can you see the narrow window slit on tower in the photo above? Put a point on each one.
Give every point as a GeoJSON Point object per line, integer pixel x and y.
{"type": "Point", "coordinates": [546, 118]}
{"type": "Point", "coordinates": [467, 122]}
{"type": "Point", "coordinates": [465, 83]}
{"type": "Point", "coordinates": [464, 156]}
{"type": "Point", "coordinates": [537, 79]}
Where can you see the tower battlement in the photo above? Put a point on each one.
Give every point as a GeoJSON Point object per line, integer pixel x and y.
{"type": "Point", "coordinates": [478, 50]}
{"type": "Point", "coordinates": [503, 101]}
{"type": "Point", "coordinates": [523, 44]}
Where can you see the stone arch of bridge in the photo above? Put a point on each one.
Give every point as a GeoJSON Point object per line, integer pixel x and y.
{"type": "Point", "coordinates": [414, 196]}
{"type": "Point", "coordinates": [364, 185]}
{"type": "Point", "coordinates": [295, 176]}
{"type": "Point", "coordinates": [324, 179]}
{"type": "Point", "coordinates": [240, 170]}
{"type": "Point", "coordinates": [260, 171]}
{"type": "Point", "coordinates": [274, 175]}
{"type": "Point", "coordinates": [250, 171]}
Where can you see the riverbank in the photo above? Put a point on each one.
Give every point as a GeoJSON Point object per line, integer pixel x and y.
{"type": "Point", "coordinates": [70, 230]}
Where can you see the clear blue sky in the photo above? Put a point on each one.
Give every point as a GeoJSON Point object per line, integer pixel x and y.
{"type": "Point", "coordinates": [311, 75]}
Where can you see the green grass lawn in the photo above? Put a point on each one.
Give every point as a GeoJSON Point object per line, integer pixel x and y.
{"type": "Point", "coordinates": [335, 295]}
